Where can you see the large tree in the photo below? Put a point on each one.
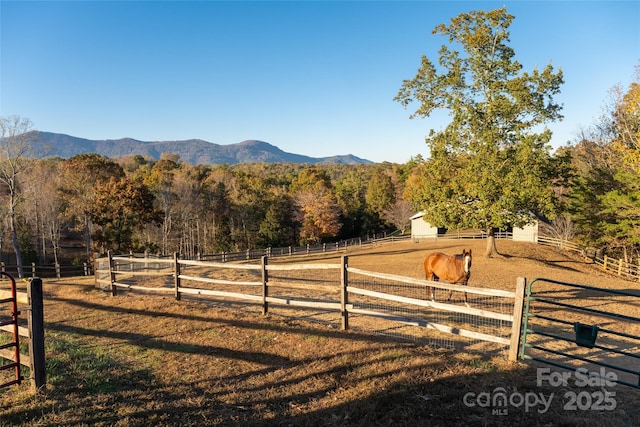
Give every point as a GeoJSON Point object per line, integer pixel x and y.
{"type": "Point", "coordinates": [80, 176]}
{"type": "Point", "coordinates": [318, 211]}
{"type": "Point", "coordinates": [490, 167]}
{"type": "Point", "coordinates": [120, 208]}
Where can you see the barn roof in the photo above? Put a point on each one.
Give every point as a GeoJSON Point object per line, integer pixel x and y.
{"type": "Point", "coordinates": [418, 215]}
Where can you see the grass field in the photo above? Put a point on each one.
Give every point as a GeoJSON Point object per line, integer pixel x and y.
{"type": "Point", "coordinates": [138, 360]}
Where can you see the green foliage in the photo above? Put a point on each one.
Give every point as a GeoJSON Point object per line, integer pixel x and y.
{"type": "Point", "coordinates": [491, 166]}
{"type": "Point", "coordinates": [585, 203]}
{"type": "Point", "coordinates": [622, 206]}
{"type": "Point", "coordinates": [277, 228]}
{"type": "Point", "coordinates": [380, 192]}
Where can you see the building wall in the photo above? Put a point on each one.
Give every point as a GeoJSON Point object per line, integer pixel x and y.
{"type": "Point", "coordinates": [420, 229]}
{"type": "Point", "coordinates": [528, 233]}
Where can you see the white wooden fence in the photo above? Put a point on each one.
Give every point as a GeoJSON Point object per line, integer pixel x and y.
{"type": "Point", "coordinates": [326, 287]}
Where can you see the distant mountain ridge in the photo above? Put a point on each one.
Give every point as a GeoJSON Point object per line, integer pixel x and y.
{"type": "Point", "coordinates": [192, 151]}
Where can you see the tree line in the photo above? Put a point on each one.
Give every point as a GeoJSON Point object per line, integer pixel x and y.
{"type": "Point", "coordinates": [490, 168]}
{"type": "Point", "coordinates": [165, 206]}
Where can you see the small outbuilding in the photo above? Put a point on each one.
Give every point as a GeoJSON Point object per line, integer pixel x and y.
{"type": "Point", "coordinates": [421, 229]}
{"type": "Point", "coordinates": [528, 233]}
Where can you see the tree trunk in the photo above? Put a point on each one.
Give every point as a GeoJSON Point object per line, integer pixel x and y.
{"type": "Point", "coordinates": [14, 241]}
{"type": "Point", "coordinates": [87, 236]}
{"type": "Point", "coordinates": [491, 243]}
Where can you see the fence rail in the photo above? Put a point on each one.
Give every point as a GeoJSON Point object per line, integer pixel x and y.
{"type": "Point", "coordinates": [48, 271]}
{"type": "Point", "coordinates": [334, 288]}
{"type": "Point", "coordinates": [620, 267]}
{"type": "Point", "coordinates": [616, 266]}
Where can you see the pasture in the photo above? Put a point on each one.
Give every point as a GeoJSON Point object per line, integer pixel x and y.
{"type": "Point", "coordinates": [137, 360]}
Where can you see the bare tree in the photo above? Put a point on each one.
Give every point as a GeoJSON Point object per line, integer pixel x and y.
{"type": "Point", "coordinates": [399, 214]}
{"type": "Point", "coordinates": [45, 207]}
{"type": "Point", "coordinates": [16, 152]}
{"type": "Point", "coordinates": [561, 227]}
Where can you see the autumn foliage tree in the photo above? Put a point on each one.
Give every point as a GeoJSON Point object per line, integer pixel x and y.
{"type": "Point", "coordinates": [625, 123]}
{"type": "Point", "coordinates": [80, 176]}
{"type": "Point", "coordinates": [121, 207]}
{"type": "Point", "coordinates": [317, 209]}
{"type": "Point", "coordinates": [490, 167]}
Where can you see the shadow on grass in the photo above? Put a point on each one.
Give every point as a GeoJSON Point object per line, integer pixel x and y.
{"type": "Point", "coordinates": [101, 377]}
{"type": "Point", "coordinates": [479, 394]}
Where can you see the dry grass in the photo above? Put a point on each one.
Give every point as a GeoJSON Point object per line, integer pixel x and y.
{"type": "Point", "coordinates": [135, 360]}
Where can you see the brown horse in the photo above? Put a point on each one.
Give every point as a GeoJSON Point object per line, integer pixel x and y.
{"type": "Point", "coordinates": [450, 268]}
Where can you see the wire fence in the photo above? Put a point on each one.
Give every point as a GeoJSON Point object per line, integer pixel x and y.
{"type": "Point", "coordinates": [457, 318]}
{"type": "Point", "coordinates": [337, 295]}
{"type": "Point", "coordinates": [629, 269]}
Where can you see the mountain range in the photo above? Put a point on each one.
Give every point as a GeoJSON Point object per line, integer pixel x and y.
{"type": "Point", "coordinates": [192, 151]}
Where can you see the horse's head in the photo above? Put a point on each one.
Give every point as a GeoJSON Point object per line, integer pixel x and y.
{"type": "Point", "coordinates": [466, 256]}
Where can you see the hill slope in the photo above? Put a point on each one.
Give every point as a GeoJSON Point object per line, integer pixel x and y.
{"type": "Point", "coordinates": [193, 151]}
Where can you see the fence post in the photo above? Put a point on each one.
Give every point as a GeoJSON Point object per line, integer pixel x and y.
{"type": "Point", "coordinates": [516, 325]}
{"type": "Point", "coordinates": [265, 287]}
{"type": "Point", "coordinates": [619, 266]}
{"type": "Point", "coordinates": [344, 295]}
{"type": "Point", "coordinates": [36, 334]}
{"type": "Point", "coordinates": [112, 274]}
{"type": "Point", "coordinates": [33, 269]}
{"type": "Point", "coordinates": [176, 275]}
{"type": "Point", "coordinates": [57, 270]}
{"type": "Point", "coordinates": [604, 264]}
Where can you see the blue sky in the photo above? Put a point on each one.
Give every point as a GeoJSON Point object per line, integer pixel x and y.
{"type": "Point", "coordinates": [312, 78]}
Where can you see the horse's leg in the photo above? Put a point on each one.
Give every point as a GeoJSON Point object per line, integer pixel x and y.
{"type": "Point", "coordinates": [431, 276]}
{"type": "Point", "coordinates": [433, 290]}
{"type": "Point", "coordinates": [465, 296]}
{"type": "Point", "coordinates": [450, 294]}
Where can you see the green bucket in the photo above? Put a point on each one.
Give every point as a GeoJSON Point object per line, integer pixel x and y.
{"type": "Point", "coordinates": [585, 334]}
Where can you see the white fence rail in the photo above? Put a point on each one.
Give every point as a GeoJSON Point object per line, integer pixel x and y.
{"type": "Point", "coordinates": [349, 293]}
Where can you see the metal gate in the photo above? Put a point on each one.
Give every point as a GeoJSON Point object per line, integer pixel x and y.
{"type": "Point", "coordinates": [15, 343]}
{"type": "Point", "coordinates": [593, 333]}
